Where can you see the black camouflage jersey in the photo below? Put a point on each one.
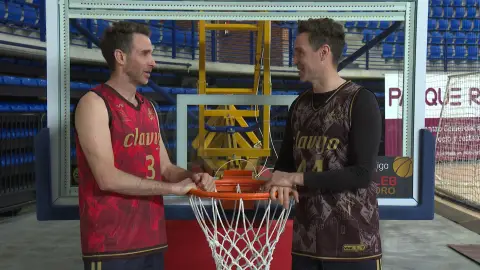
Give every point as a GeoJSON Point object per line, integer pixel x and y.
{"type": "Point", "coordinates": [327, 224]}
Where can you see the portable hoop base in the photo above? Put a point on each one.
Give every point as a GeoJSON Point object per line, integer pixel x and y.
{"type": "Point", "coordinates": [239, 238]}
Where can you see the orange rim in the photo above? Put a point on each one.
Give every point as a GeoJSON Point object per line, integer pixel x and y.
{"type": "Point", "coordinates": [231, 184]}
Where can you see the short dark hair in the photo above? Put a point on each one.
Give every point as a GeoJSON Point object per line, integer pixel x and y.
{"type": "Point", "coordinates": [119, 36]}
{"type": "Point", "coordinates": [324, 31]}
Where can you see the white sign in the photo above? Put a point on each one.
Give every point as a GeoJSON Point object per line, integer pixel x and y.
{"type": "Point", "coordinates": [463, 101]}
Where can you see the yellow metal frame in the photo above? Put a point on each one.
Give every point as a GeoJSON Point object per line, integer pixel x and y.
{"type": "Point", "coordinates": [215, 147]}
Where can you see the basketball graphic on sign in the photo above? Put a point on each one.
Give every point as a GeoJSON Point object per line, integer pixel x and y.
{"type": "Point", "coordinates": [403, 167]}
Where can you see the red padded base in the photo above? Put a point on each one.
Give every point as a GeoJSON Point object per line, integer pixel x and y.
{"type": "Point", "coordinates": [188, 248]}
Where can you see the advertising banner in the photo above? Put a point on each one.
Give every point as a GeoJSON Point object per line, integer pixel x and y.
{"type": "Point", "coordinates": [460, 116]}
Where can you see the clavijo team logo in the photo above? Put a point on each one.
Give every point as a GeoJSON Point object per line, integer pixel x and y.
{"type": "Point", "coordinates": [151, 114]}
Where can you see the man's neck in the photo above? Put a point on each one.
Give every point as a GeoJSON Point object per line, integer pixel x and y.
{"type": "Point", "coordinates": [328, 81]}
{"type": "Point", "coordinates": [123, 86]}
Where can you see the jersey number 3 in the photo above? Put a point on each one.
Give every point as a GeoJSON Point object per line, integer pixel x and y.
{"type": "Point", "coordinates": [150, 167]}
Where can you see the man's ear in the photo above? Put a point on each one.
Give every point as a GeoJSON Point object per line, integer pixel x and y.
{"type": "Point", "coordinates": [324, 51]}
{"type": "Point", "coordinates": [120, 57]}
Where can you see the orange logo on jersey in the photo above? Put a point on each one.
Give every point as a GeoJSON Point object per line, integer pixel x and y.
{"type": "Point", "coordinates": [151, 114]}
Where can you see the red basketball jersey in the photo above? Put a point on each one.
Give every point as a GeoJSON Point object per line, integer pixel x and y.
{"type": "Point", "coordinates": [112, 223]}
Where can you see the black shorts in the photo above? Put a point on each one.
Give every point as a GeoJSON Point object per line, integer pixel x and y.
{"type": "Point", "coordinates": [153, 261]}
{"type": "Point", "coordinates": [308, 263]}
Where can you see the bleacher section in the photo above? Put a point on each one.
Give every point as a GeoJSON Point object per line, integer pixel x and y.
{"type": "Point", "coordinates": [454, 32]}
{"type": "Point", "coordinates": [19, 123]}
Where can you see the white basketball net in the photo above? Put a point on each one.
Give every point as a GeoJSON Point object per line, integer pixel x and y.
{"type": "Point", "coordinates": [241, 242]}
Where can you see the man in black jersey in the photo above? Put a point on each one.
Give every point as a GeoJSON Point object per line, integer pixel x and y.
{"type": "Point", "coordinates": [328, 156]}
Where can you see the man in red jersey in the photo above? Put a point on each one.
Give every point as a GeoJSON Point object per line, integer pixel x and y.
{"type": "Point", "coordinates": [123, 166]}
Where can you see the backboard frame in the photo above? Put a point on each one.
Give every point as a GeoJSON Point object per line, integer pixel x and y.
{"type": "Point", "coordinates": [414, 13]}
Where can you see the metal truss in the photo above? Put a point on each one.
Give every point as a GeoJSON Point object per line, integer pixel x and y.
{"type": "Point", "coordinates": [261, 6]}
{"type": "Point", "coordinates": [235, 16]}
{"type": "Point", "coordinates": [413, 12]}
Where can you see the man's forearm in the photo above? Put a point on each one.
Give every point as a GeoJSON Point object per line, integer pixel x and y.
{"type": "Point", "coordinates": [175, 174]}
{"type": "Point", "coordinates": [127, 184]}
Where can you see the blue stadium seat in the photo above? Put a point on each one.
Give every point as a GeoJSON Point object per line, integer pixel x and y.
{"type": "Point", "coordinates": [476, 25]}
{"type": "Point", "coordinates": [472, 53]}
{"type": "Point", "coordinates": [4, 107]}
{"type": "Point", "coordinates": [182, 39]}
{"type": "Point", "coordinates": [437, 38]}
{"type": "Point", "coordinates": [145, 89]}
{"type": "Point", "coordinates": [472, 38]}
{"type": "Point", "coordinates": [399, 51]}
{"type": "Point", "coordinates": [437, 12]}
{"type": "Point", "coordinates": [155, 36]}
{"type": "Point", "coordinates": [368, 35]}
{"type": "Point", "coordinates": [432, 24]}
{"type": "Point", "coordinates": [14, 13]}
{"type": "Point", "coordinates": [29, 82]}
{"type": "Point", "coordinates": [436, 53]}
{"type": "Point", "coordinates": [460, 38]}
{"type": "Point", "coordinates": [42, 82]}
{"type": "Point", "coordinates": [362, 24]}
{"type": "Point", "coordinates": [191, 91]}
{"type": "Point", "coordinates": [454, 25]}
{"type": "Point", "coordinates": [177, 91]}
{"type": "Point", "coordinates": [460, 52]}
{"type": "Point", "coordinates": [471, 12]}
{"type": "Point", "coordinates": [467, 25]}
{"type": "Point", "coordinates": [457, 3]}
{"type": "Point", "coordinates": [472, 3]}
{"type": "Point", "coordinates": [18, 107]}
{"type": "Point", "coordinates": [372, 24]}
{"type": "Point", "coordinates": [460, 12]}
{"type": "Point", "coordinates": [11, 80]}
{"type": "Point", "coordinates": [436, 3]}
{"type": "Point", "coordinates": [349, 24]}
{"type": "Point", "coordinates": [80, 86]}
{"type": "Point", "coordinates": [37, 107]}
{"type": "Point", "coordinates": [168, 24]}
{"type": "Point", "coordinates": [401, 37]}
{"type": "Point", "coordinates": [387, 52]}
{"type": "Point", "coordinates": [30, 17]}
{"type": "Point", "coordinates": [384, 24]}
{"type": "Point", "coordinates": [450, 52]}
{"type": "Point", "coordinates": [449, 38]}
{"type": "Point", "coordinates": [448, 12]}
{"type": "Point", "coordinates": [390, 38]}
{"type": "Point", "coordinates": [17, 159]}
{"type": "Point", "coordinates": [442, 25]}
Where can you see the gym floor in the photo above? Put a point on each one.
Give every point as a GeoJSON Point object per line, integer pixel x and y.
{"type": "Point", "coordinates": [408, 245]}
